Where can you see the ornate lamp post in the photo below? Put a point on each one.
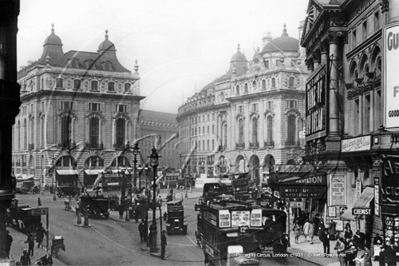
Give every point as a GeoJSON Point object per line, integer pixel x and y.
{"type": "Point", "coordinates": [136, 151]}
{"type": "Point", "coordinates": [154, 161]}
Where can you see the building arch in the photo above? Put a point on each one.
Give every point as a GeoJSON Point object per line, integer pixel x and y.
{"type": "Point", "coordinates": [120, 161]}
{"type": "Point", "coordinates": [254, 167]}
{"type": "Point", "coordinates": [353, 72]}
{"type": "Point", "coordinates": [363, 65]}
{"type": "Point", "coordinates": [268, 162]}
{"type": "Point", "coordinates": [66, 161]}
{"type": "Point", "coordinates": [240, 164]}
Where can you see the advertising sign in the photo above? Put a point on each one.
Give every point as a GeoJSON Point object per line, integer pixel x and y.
{"type": "Point", "coordinates": [224, 219]}
{"type": "Point", "coordinates": [377, 196]}
{"type": "Point", "coordinates": [302, 192]}
{"type": "Point", "coordinates": [337, 190]}
{"type": "Point", "coordinates": [391, 77]}
{"type": "Point", "coordinates": [356, 144]}
{"type": "Point", "coordinates": [256, 217]}
{"type": "Point", "coordinates": [240, 218]}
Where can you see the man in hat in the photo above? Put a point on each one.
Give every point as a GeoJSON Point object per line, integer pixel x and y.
{"type": "Point", "coordinates": [25, 260]}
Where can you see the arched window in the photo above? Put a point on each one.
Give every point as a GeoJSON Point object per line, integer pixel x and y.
{"type": "Point", "coordinates": [65, 161]}
{"type": "Point", "coordinates": [76, 84]}
{"type": "Point", "coordinates": [66, 124]}
{"type": "Point", "coordinates": [94, 85]}
{"type": "Point", "coordinates": [291, 82]}
{"type": "Point", "coordinates": [241, 132]}
{"type": "Point", "coordinates": [225, 135]}
{"type": "Point", "coordinates": [291, 130]}
{"type": "Point", "coordinates": [246, 88]}
{"type": "Point", "coordinates": [255, 131]}
{"type": "Point", "coordinates": [94, 132]}
{"type": "Point", "coordinates": [238, 90]}
{"type": "Point", "coordinates": [111, 86]}
{"type": "Point", "coordinates": [127, 87]}
{"type": "Point", "coordinates": [273, 82]}
{"type": "Point", "coordinates": [120, 132]}
{"type": "Point", "coordinates": [263, 84]}
{"type": "Point", "coordinates": [269, 130]}
{"type": "Point", "coordinates": [59, 83]}
{"type": "Point", "coordinates": [94, 161]}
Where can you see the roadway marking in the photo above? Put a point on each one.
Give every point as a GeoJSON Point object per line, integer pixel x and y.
{"type": "Point", "coordinates": [192, 241]}
{"type": "Point", "coordinates": [109, 238]}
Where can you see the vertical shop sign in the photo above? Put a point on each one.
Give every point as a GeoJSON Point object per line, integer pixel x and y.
{"type": "Point", "coordinates": [337, 190]}
{"type": "Point", "coordinates": [377, 196]}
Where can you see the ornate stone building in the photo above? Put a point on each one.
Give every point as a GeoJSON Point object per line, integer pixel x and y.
{"type": "Point", "coordinates": [351, 132]}
{"type": "Point", "coordinates": [79, 112]}
{"type": "Point", "coordinates": [250, 116]}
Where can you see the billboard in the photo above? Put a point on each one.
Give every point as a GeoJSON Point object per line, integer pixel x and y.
{"type": "Point", "coordinates": [391, 77]}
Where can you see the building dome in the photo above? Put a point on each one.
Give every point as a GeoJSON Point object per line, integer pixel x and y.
{"type": "Point", "coordinates": [106, 44]}
{"type": "Point", "coordinates": [238, 57]}
{"type": "Point", "coordinates": [53, 39]}
{"type": "Point", "coordinates": [284, 43]}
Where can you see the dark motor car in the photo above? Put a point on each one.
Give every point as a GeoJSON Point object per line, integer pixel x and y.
{"type": "Point", "coordinates": [96, 205]}
{"type": "Point", "coordinates": [176, 223]}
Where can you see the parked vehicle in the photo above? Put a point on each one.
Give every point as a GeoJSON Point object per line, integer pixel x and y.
{"type": "Point", "coordinates": [21, 218]}
{"type": "Point", "coordinates": [176, 223]}
{"type": "Point", "coordinates": [57, 244]}
{"type": "Point", "coordinates": [97, 206]}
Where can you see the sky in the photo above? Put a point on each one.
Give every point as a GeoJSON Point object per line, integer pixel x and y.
{"type": "Point", "coordinates": [180, 45]}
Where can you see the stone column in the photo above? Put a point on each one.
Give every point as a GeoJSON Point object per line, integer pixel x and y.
{"type": "Point", "coordinates": [261, 125]}
{"type": "Point", "coordinates": [247, 124]}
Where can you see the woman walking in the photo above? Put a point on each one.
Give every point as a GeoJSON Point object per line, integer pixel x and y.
{"type": "Point", "coordinates": [297, 232]}
{"type": "Point", "coordinates": [311, 231]}
{"type": "Point", "coordinates": [306, 228]}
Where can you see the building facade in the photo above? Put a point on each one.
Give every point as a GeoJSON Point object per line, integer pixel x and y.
{"type": "Point", "coordinates": [162, 127]}
{"type": "Point", "coordinates": [351, 130]}
{"type": "Point", "coordinates": [249, 118]}
{"type": "Point", "coordinates": [78, 115]}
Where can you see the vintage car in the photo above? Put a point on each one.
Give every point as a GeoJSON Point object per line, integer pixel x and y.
{"type": "Point", "coordinates": [176, 223]}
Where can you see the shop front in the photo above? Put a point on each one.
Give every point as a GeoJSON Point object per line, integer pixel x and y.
{"type": "Point", "coordinates": [66, 177]}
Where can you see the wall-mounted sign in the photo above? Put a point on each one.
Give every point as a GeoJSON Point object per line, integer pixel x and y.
{"type": "Point", "coordinates": [302, 192]}
{"type": "Point", "coordinates": [389, 186]}
{"type": "Point", "coordinates": [391, 77]}
{"type": "Point", "coordinates": [224, 219]}
{"type": "Point", "coordinates": [332, 211]}
{"type": "Point", "coordinates": [337, 190]}
{"type": "Point", "coordinates": [361, 211]}
{"type": "Point", "coordinates": [356, 144]}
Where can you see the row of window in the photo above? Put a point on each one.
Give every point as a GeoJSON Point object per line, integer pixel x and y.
{"type": "Point", "coordinates": [77, 85]}
{"type": "Point", "coordinates": [264, 86]}
{"type": "Point", "coordinates": [363, 30]}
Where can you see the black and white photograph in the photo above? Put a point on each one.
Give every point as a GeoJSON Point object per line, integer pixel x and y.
{"type": "Point", "coordinates": [199, 132]}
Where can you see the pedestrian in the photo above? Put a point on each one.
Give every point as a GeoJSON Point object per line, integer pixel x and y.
{"type": "Point", "coordinates": [359, 259]}
{"type": "Point", "coordinates": [120, 209]}
{"type": "Point", "coordinates": [348, 233]}
{"type": "Point", "coordinates": [316, 221]}
{"type": "Point", "coordinates": [311, 231]}
{"type": "Point", "coordinates": [325, 239]}
{"type": "Point", "coordinates": [367, 257]}
{"type": "Point", "coordinates": [31, 244]}
{"type": "Point", "coordinates": [142, 231]}
{"type": "Point", "coordinates": [390, 254]}
{"type": "Point", "coordinates": [282, 248]}
{"type": "Point", "coordinates": [163, 244]}
{"type": "Point", "coordinates": [46, 260]}
{"type": "Point", "coordinates": [306, 228]}
{"type": "Point", "coordinates": [358, 240]}
{"type": "Point", "coordinates": [40, 235]}
{"type": "Point", "coordinates": [137, 212]}
{"type": "Point", "coordinates": [321, 228]}
{"type": "Point", "coordinates": [377, 243]}
{"type": "Point", "coordinates": [297, 232]}
{"type": "Point", "coordinates": [332, 230]}
{"type": "Point", "coordinates": [351, 253]}
{"type": "Point", "coordinates": [340, 248]}
{"type": "Point", "coordinates": [9, 240]}
{"type": "Point", "coordinates": [25, 259]}
{"type": "Point", "coordinates": [381, 257]}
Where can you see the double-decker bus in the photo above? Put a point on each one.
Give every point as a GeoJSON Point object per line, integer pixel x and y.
{"type": "Point", "coordinates": [227, 232]}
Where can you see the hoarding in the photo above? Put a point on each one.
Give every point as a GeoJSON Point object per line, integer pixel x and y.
{"type": "Point", "coordinates": [391, 77]}
{"type": "Point", "coordinates": [337, 190]}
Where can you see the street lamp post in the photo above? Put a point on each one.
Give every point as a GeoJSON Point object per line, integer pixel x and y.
{"type": "Point", "coordinates": [154, 161]}
{"type": "Point", "coordinates": [136, 151]}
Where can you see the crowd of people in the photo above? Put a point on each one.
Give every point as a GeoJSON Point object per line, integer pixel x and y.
{"type": "Point", "coordinates": [352, 248]}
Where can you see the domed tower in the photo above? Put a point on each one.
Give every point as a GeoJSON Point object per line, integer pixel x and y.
{"type": "Point", "coordinates": [106, 45]}
{"type": "Point", "coordinates": [52, 49]}
{"type": "Point", "coordinates": [238, 63]}
{"type": "Point", "coordinates": [282, 44]}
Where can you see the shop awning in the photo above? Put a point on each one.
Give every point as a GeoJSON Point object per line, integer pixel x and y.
{"type": "Point", "coordinates": [93, 171]}
{"type": "Point", "coordinates": [67, 172]}
{"type": "Point", "coordinates": [362, 202]}
{"type": "Point", "coordinates": [24, 177]}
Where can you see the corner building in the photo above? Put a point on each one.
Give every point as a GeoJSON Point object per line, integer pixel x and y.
{"type": "Point", "coordinates": [79, 112]}
{"type": "Point", "coordinates": [250, 117]}
{"type": "Point", "coordinates": [351, 134]}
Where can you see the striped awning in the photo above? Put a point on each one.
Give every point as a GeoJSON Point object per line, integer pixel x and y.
{"type": "Point", "coordinates": [67, 172]}
{"type": "Point", "coordinates": [93, 171]}
{"type": "Point", "coordinates": [362, 202]}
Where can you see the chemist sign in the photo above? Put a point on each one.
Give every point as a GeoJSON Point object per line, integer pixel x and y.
{"type": "Point", "coordinates": [391, 77]}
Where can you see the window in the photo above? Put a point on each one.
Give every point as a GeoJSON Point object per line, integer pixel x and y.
{"type": "Point", "coordinates": [199, 119]}
{"type": "Point", "coordinates": [207, 117]}
{"type": "Point", "coordinates": [237, 90]}
{"type": "Point", "coordinates": [213, 129]}
{"type": "Point", "coordinates": [213, 116]}
{"type": "Point", "coordinates": [94, 132]}
{"type": "Point", "coordinates": [127, 87]}
{"type": "Point", "coordinates": [364, 30]}
{"type": "Point", "coordinates": [366, 118]}
{"type": "Point", "coordinates": [269, 105]}
{"type": "Point", "coordinates": [213, 144]}
{"type": "Point", "coordinates": [376, 21]}
{"type": "Point", "coordinates": [25, 135]}
{"type": "Point", "coordinates": [121, 108]}
{"type": "Point", "coordinates": [207, 145]}
{"type": "Point", "coordinates": [263, 84]}
{"type": "Point", "coordinates": [120, 132]}
{"type": "Point", "coordinates": [111, 86]}
{"type": "Point", "coordinates": [291, 82]}
{"type": "Point", "coordinates": [378, 110]}
{"type": "Point", "coordinates": [356, 118]}
{"type": "Point", "coordinates": [266, 64]}
{"type": "Point", "coordinates": [291, 129]}
{"type": "Point", "coordinates": [94, 161]}
{"type": "Point", "coordinates": [255, 131]}
{"type": "Point", "coordinates": [66, 105]}
{"type": "Point", "coordinates": [240, 109]}
{"type": "Point", "coordinates": [94, 107]}
{"type": "Point", "coordinates": [76, 84]}
{"type": "Point", "coordinates": [207, 130]}
{"type": "Point", "coordinates": [291, 104]}
{"type": "Point", "coordinates": [246, 88]}
{"type": "Point", "coordinates": [65, 161]}
{"type": "Point", "coordinates": [66, 125]}
{"type": "Point", "coordinates": [273, 82]}
{"type": "Point", "coordinates": [354, 40]}
{"type": "Point", "coordinates": [241, 131]}
{"type": "Point", "coordinates": [254, 85]}
{"type": "Point", "coordinates": [41, 132]}
{"type": "Point", "coordinates": [254, 107]}
{"type": "Point", "coordinates": [94, 85]}
{"type": "Point", "coordinates": [59, 83]}
{"type": "Point", "coordinates": [269, 124]}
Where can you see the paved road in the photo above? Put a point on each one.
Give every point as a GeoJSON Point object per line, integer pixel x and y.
{"type": "Point", "coordinates": [116, 242]}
